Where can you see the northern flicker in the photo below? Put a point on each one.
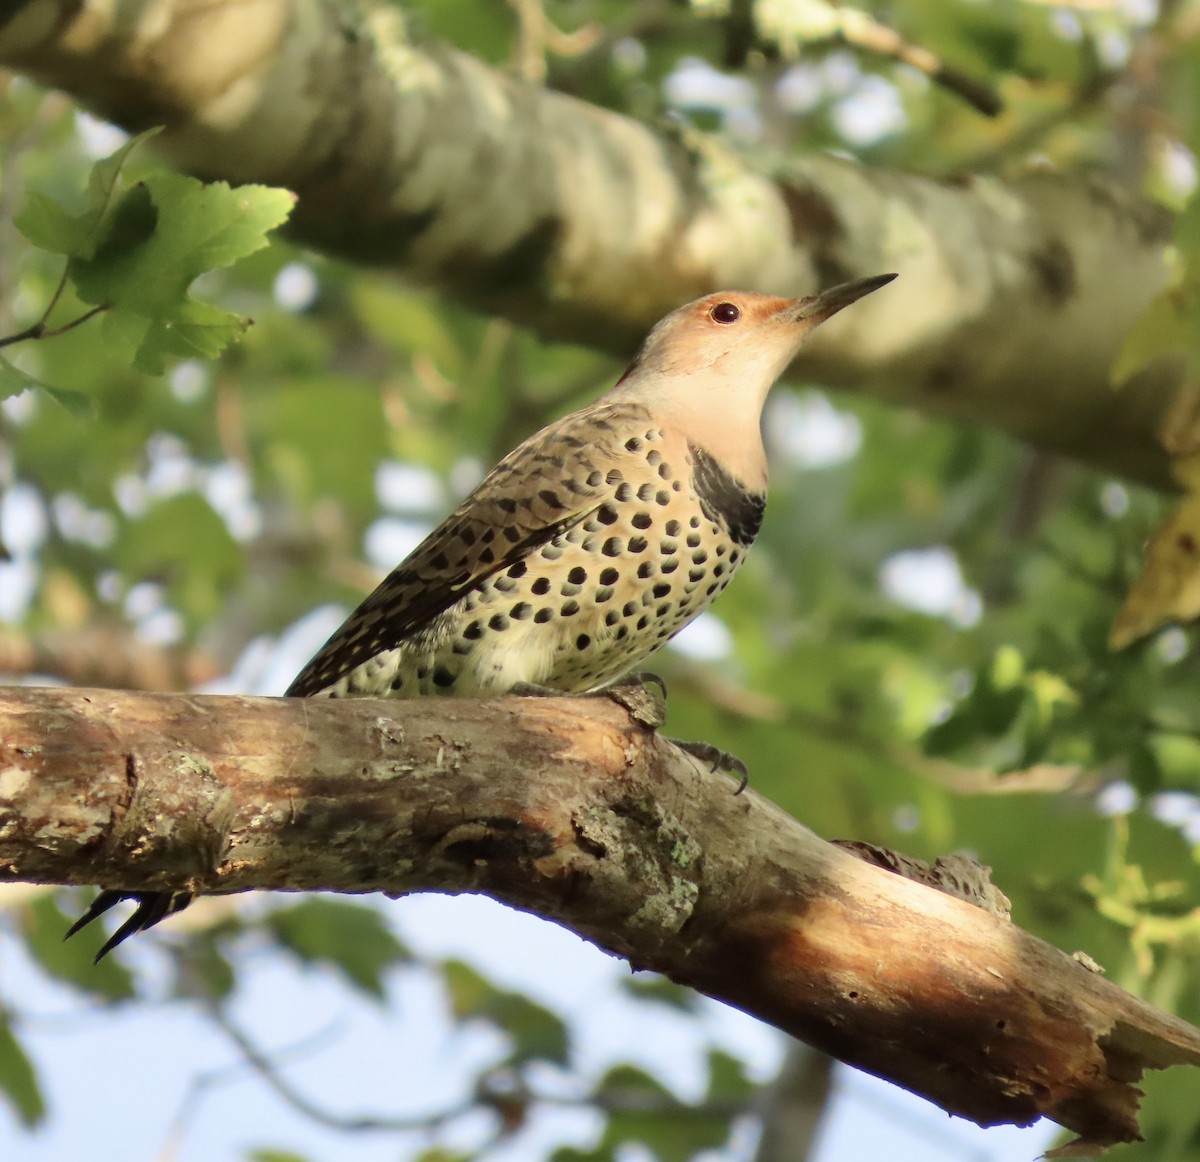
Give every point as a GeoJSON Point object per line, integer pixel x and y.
{"type": "Point", "coordinates": [589, 545]}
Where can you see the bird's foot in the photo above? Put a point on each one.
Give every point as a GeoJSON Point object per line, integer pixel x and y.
{"type": "Point", "coordinates": [634, 694]}
{"type": "Point", "coordinates": [151, 908]}
{"type": "Point", "coordinates": [717, 759]}
{"type": "Point", "coordinates": [645, 678]}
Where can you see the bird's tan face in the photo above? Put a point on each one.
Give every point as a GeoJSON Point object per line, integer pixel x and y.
{"type": "Point", "coordinates": [748, 330]}
{"type": "Point", "coordinates": [710, 364]}
{"type": "Point", "coordinates": [741, 334]}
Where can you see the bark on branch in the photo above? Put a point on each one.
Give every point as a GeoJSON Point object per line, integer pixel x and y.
{"type": "Point", "coordinates": [569, 809]}
{"type": "Point", "coordinates": [588, 225]}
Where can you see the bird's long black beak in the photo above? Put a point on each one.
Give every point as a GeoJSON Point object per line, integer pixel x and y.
{"type": "Point", "coordinates": [818, 308]}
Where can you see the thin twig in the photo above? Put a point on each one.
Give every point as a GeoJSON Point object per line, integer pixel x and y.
{"type": "Point", "coordinates": [1035, 130]}
{"type": "Point", "coordinates": [52, 332]}
{"type": "Point", "coordinates": [862, 31]}
{"type": "Point", "coordinates": [39, 330]}
{"type": "Point", "coordinates": [58, 290]}
{"type": "Point", "coordinates": [537, 35]}
{"type": "Point", "coordinates": [35, 330]}
{"type": "Point", "coordinates": [265, 1067]}
{"type": "Point", "coordinates": [495, 1090]}
{"type": "Point", "coordinates": [203, 1082]}
{"type": "Point", "coordinates": [27, 137]}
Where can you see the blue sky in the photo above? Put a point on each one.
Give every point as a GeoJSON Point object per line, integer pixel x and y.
{"type": "Point", "coordinates": [117, 1082]}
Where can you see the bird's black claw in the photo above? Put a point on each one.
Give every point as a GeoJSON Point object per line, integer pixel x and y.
{"type": "Point", "coordinates": [647, 678]}
{"type": "Point", "coordinates": [151, 908]}
{"type": "Point", "coordinates": [718, 760]}
{"type": "Point", "coordinates": [96, 909]}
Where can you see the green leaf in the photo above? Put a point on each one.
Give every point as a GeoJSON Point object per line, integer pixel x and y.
{"type": "Point", "coordinates": [104, 184]}
{"type": "Point", "coordinates": [165, 232]}
{"type": "Point", "coordinates": [642, 1110]}
{"type": "Point", "coordinates": [1045, 52]}
{"type": "Point", "coordinates": [175, 531]}
{"type": "Point", "coordinates": [727, 1079]}
{"type": "Point", "coordinates": [198, 330]}
{"type": "Point", "coordinates": [13, 381]}
{"type": "Point", "coordinates": [537, 1033]}
{"type": "Point", "coordinates": [194, 228]}
{"type": "Point", "coordinates": [1169, 1118]}
{"type": "Point", "coordinates": [405, 320]}
{"type": "Point", "coordinates": [311, 427]}
{"type": "Point", "coordinates": [649, 986]}
{"type": "Point", "coordinates": [123, 334]}
{"type": "Point", "coordinates": [1144, 771]}
{"type": "Point", "coordinates": [353, 938]}
{"type": "Point", "coordinates": [1162, 329]}
{"type": "Point", "coordinates": [136, 252]}
{"type": "Point", "coordinates": [267, 1154]}
{"type": "Point", "coordinates": [1187, 228]}
{"type": "Point", "coordinates": [71, 960]}
{"type": "Point", "coordinates": [625, 1084]}
{"type": "Point", "coordinates": [49, 225]}
{"type": "Point", "coordinates": [206, 972]}
{"type": "Point", "coordinates": [18, 1079]}
{"type": "Point", "coordinates": [184, 544]}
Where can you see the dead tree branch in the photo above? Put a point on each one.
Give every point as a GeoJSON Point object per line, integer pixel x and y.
{"type": "Point", "coordinates": [567, 808]}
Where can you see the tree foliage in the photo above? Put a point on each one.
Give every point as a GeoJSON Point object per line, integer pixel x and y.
{"type": "Point", "coordinates": [208, 433]}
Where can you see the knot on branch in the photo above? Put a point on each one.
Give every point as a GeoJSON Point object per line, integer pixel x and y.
{"type": "Point", "coordinates": [178, 814]}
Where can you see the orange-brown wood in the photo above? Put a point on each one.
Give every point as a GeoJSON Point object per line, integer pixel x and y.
{"type": "Point", "coordinates": [566, 808]}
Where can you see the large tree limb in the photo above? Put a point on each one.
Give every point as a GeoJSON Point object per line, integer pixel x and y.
{"type": "Point", "coordinates": [569, 809]}
{"type": "Point", "coordinates": [588, 225]}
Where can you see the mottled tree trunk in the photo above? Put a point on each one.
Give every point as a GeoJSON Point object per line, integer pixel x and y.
{"type": "Point", "coordinates": [588, 225]}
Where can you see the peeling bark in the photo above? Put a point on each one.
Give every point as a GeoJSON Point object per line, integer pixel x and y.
{"type": "Point", "coordinates": [589, 226]}
{"type": "Point", "coordinates": [569, 809]}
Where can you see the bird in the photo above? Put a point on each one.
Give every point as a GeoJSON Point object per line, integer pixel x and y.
{"type": "Point", "coordinates": [589, 545]}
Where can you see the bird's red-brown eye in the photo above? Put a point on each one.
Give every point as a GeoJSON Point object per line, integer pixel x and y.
{"type": "Point", "coordinates": [725, 313]}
